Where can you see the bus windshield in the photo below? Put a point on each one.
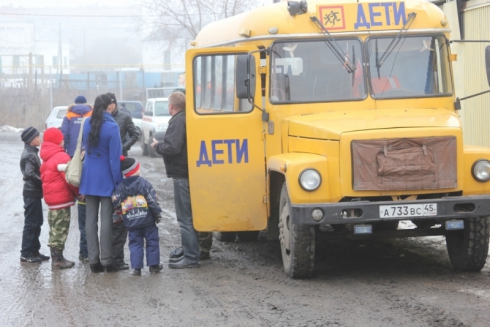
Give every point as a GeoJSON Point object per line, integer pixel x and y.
{"type": "Point", "coordinates": [418, 66]}
{"type": "Point", "coordinates": [309, 71]}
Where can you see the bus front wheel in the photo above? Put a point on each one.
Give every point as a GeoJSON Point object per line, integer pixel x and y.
{"type": "Point", "coordinates": [297, 242]}
{"type": "Point", "coordinates": [468, 248]}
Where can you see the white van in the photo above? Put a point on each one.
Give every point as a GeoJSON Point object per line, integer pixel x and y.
{"type": "Point", "coordinates": [155, 120]}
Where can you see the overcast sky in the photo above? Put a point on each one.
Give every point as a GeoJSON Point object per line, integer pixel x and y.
{"type": "Point", "coordinates": [58, 3]}
{"type": "Point", "coordinates": [76, 3]}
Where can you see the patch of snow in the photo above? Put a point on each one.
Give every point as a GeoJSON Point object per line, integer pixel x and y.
{"type": "Point", "coordinates": [7, 128]}
{"type": "Point", "coordinates": [480, 293]}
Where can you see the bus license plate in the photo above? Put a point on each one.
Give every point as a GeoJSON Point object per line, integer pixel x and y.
{"type": "Point", "coordinates": [408, 210]}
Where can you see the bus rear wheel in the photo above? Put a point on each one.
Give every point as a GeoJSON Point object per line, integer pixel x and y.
{"type": "Point", "coordinates": [468, 248]}
{"type": "Point", "coordinates": [297, 242]}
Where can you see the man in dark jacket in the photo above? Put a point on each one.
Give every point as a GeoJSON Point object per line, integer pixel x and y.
{"type": "Point", "coordinates": [174, 152]}
{"type": "Point", "coordinates": [129, 136]}
{"type": "Point", "coordinates": [129, 132]}
{"type": "Point", "coordinates": [33, 193]}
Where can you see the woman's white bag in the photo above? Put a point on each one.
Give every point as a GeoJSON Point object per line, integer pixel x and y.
{"type": "Point", "coordinates": [73, 171]}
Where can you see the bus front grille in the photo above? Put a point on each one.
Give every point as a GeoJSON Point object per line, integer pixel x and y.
{"type": "Point", "coordinates": [425, 163]}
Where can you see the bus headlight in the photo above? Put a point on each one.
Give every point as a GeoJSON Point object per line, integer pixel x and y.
{"type": "Point", "coordinates": [310, 180]}
{"type": "Point", "coordinates": [481, 170]}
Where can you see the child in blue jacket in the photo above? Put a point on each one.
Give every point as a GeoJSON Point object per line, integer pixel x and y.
{"type": "Point", "coordinates": [136, 201]}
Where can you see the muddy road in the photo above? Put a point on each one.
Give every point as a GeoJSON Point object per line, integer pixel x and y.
{"type": "Point", "coordinates": [405, 282]}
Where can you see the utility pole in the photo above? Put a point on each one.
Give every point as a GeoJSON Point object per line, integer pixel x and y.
{"type": "Point", "coordinates": [29, 83]}
{"type": "Point", "coordinates": [119, 77]}
{"type": "Point", "coordinates": [60, 58]}
{"type": "Point", "coordinates": [50, 89]}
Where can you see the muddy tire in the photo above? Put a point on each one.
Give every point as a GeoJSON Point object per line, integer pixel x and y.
{"type": "Point", "coordinates": [468, 248]}
{"type": "Point", "coordinates": [297, 242]}
{"type": "Point", "coordinates": [144, 149]}
{"type": "Point", "coordinates": [248, 236]}
{"type": "Point", "coordinates": [225, 236]}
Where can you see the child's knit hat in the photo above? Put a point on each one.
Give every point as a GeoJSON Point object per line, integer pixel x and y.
{"type": "Point", "coordinates": [80, 100]}
{"type": "Point", "coordinates": [129, 166]}
{"type": "Point", "coordinates": [53, 135]}
{"type": "Point", "coordinates": [29, 134]}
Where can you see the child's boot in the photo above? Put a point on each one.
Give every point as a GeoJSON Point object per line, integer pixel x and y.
{"type": "Point", "coordinates": [58, 261]}
{"type": "Point", "coordinates": [156, 268]}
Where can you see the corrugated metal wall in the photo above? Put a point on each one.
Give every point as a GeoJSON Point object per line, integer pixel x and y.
{"type": "Point", "coordinates": [475, 112]}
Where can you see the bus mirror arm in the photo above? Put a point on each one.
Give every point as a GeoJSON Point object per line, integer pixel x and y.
{"type": "Point", "coordinates": [457, 103]}
{"type": "Point", "coordinates": [250, 83]}
{"type": "Point", "coordinates": [487, 62]}
{"type": "Point", "coordinates": [245, 79]}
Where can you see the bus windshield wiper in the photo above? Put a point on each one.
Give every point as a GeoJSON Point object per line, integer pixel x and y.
{"type": "Point", "coordinates": [354, 60]}
{"type": "Point", "coordinates": [395, 41]}
{"type": "Point", "coordinates": [341, 55]}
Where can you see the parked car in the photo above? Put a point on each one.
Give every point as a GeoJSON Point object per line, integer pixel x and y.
{"type": "Point", "coordinates": [55, 118]}
{"type": "Point", "coordinates": [154, 124]}
{"type": "Point", "coordinates": [136, 109]}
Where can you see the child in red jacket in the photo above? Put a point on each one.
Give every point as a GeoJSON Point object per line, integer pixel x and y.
{"type": "Point", "coordinates": [58, 195]}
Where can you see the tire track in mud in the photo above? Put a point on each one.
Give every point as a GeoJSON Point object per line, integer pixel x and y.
{"type": "Point", "coordinates": [228, 308]}
{"type": "Point", "coordinates": [421, 311]}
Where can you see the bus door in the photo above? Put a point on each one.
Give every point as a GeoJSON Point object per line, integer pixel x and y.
{"type": "Point", "coordinates": [225, 145]}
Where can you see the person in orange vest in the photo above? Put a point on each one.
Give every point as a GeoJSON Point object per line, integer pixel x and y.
{"type": "Point", "coordinates": [70, 129]}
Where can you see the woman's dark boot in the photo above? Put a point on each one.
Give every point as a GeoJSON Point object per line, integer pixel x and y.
{"type": "Point", "coordinates": [58, 261]}
{"type": "Point", "coordinates": [97, 268]}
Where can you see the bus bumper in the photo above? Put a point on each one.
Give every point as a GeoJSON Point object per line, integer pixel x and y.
{"type": "Point", "coordinates": [365, 211]}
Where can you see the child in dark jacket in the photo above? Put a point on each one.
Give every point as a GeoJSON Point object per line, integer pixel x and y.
{"type": "Point", "coordinates": [32, 193]}
{"type": "Point", "coordinates": [136, 201]}
{"type": "Point", "coordinates": [58, 195]}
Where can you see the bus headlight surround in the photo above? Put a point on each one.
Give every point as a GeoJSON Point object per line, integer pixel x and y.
{"type": "Point", "coordinates": [481, 170]}
{"type": "Point", "coordinates": [310, 180]}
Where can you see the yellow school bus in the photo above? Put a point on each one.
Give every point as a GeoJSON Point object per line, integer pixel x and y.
{"type": "Point", "coordinates": [333, 119]}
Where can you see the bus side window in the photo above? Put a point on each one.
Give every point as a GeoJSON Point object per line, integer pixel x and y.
{"type": "Point", "coordinates": [214, 85]}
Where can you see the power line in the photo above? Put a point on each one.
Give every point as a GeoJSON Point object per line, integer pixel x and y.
{"type": "Point", "coordinates": [77, 16]}
{"type": "Point", "coordinates": [97, 16]}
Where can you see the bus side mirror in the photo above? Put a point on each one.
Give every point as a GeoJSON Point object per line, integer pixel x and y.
{"type": "Point", "coordinates": [487, 63]}
{"type": "Point", "coordinates": [245, 76]}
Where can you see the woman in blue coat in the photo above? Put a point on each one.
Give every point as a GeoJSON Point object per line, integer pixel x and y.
{"type": "Point", "coordinates": [101, 173]}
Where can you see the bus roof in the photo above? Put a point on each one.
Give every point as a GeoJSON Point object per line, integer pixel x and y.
{"type": "Point", "coordinates": [347, 17]}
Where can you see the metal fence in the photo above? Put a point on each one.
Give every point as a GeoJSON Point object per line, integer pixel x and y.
{"type": "Point", "coordinates": [27, 99]}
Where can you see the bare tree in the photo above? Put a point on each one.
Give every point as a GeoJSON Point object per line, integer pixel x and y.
{"type": "Point", "coordinates": [171, 20]}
